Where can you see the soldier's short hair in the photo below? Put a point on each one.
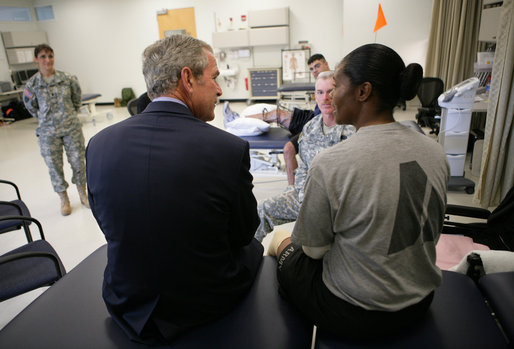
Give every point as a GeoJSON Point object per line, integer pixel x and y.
{"type": "Point", "coordinates": [316, 57]}
{"type": "Point", "coordinates": [325, 75]}
{"type": "Point", "coordinates": [42, 47]}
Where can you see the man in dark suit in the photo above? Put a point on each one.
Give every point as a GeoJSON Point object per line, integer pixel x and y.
{"type": "Point", "coordinates": [173, 196]}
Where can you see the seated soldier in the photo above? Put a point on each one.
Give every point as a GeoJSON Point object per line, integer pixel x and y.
{"type": "Point", "coordinates": [319, 133]}
{"type": "Point", "coordinates": [292, 120]}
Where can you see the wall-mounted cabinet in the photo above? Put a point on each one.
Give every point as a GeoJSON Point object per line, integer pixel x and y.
{"type": "Point", "coordinates": [489, 22]}
{"type": "Point", "coordinates": [269, 36]}
{"type": "Point", "coordinates": [267, 27]}
{"type": "Point", "coordinates": [251, 37]}
{"type": "Point", "coordinates": [22, 39]}
{"type": "Point", "coordinates": [235, 38]}
{"type": "Point", "coordinates": [268, 18]}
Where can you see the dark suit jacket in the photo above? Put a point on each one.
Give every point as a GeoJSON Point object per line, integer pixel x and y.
{"type": "Point", "coordinates": [173, 196]}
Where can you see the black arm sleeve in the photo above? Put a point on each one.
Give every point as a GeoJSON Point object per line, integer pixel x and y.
{"type": "Point", "coordinates": [294, 140]}
{"type": "Point", "coordinates": [299, 118]}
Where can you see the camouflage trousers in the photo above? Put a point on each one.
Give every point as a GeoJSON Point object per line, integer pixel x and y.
{"type": "Point", "coordinates": [277, 210]}
{"type": "Point", "coordinates": [51, 147]}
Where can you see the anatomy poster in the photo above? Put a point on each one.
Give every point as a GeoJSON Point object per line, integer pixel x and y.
{"type": "Point", "coordinates": [294, 64]}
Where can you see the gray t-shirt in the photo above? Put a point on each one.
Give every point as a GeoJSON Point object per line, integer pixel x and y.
{"type": "Point", "coordinates": [378, 199]}
{"type": "Point", "coordinates": [313, 139]}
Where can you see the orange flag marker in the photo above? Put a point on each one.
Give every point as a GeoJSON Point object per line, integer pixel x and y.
{"type": "Point", "coordinates": [381, 20]}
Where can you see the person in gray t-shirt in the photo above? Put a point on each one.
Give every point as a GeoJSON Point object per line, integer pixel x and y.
{"type": "Point", "coordinates": [361, 259]}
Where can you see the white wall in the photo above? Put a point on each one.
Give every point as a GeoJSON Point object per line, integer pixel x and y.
{"type": "Point", "coordinates": [407, 30]}
{"type": "Point", "coordinates": [101, 41]}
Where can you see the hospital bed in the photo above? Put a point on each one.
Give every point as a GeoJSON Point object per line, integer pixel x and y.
{"type": "Point", "coordinates": [89, 106]}
{"type": "Point", "coordinates": [264, 150]}
{"type": "Point", "coordinates": [297, 90]}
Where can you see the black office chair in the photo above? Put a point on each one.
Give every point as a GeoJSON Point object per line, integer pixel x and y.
{"type": "Point", "coordinates": [496, 229]}
{"type": "Point", "coordinates": [428, 92]}
{"type": "Point", "coordinates": [30, 266]}
{"type": "Point", "coordinates": [139, 104]}
{"type": "Point", "coordinates": [132, 106]}
{"type": "Point", "coordinates": [14, 208]}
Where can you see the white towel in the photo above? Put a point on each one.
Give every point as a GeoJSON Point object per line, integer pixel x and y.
{"type": "Point", "coordinates": [494, 262]}
{"type": "Point", "coordinates": [257, 108]}
{"type": "Point", "coordinates": [247, 127]}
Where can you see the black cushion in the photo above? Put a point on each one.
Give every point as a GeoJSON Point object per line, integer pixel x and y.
{"type": "Point", "coordinates": [297, 86]}
{"type": "Point", "coordinates": [498, 288]}
{"type": "Point", "coordinates": [26, 274]}
{"type": "Point", "coordinates": [89, 96]}
{"type": "Point", "coordinates": [457, 318]}
{"type": "Point", "coordinates": [275, 138]}
{"type": "Point", "coordinates": [13, 209]}
{"type": "Point", "coordinates": [71, 314]}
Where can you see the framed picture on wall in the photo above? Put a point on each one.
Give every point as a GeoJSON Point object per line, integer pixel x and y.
{"type": "Point", "coordinates": [294, 64]}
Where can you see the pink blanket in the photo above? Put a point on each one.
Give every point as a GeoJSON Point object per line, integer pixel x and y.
{"type": "Point", "coordinates": [451, 249]}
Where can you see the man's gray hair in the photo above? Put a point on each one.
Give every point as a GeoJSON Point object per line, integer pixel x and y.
{"type": "Point", "coordinates": [163, 62]}
{"type": "Point", "coordinates": [325, 75]}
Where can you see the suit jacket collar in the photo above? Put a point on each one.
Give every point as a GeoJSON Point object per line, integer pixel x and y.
{"type": "Point", "coordinates": [167, 107]}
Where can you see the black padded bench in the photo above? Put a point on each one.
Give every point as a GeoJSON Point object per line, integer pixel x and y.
{"type": "Point", "coordinates": [89, 102]}
{"type": "Point", "coordinates": [273, 141]}
{"type": "Point", "coordinates": [275, 138]}
{"type": "Point", "coordinates": [498, 289]}
{"type": "Point", "coordinates": [297, 86]}
{"type": "Point", "coordinates": [458, 318]}
{"type": "Point", "coordinates": [302, 90]}
{"type": "Point", "coordinates": [71, 314]}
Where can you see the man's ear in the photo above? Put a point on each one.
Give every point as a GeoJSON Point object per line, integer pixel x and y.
{"type": "Point", "coordinates": [364, 91]}
{"type": "Point", "coordinates": [186, 76]}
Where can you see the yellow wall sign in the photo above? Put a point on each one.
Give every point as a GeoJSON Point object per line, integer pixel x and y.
{"type": "Point", "coordinates": [177, 21]}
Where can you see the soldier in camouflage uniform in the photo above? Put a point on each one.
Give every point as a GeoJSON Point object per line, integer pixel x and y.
{"type": "Point", "coordinates": [319, 133]}
{"type": "Point", "coordinates": [54, 97]}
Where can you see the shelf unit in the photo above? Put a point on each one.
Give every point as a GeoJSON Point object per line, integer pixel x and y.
{"type": "Point", "coordinates": [19, 46]}
{"type": "Point", "coordinates": [456, 104]}
{"type": "Point", "coordinates": [19, 49]}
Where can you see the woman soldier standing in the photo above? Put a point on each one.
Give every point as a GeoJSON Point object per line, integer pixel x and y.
{"type": "Point", "coordinates": [54, 97]}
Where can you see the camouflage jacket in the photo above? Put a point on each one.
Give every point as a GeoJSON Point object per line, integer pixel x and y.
{"type": "Point", "coordinates": [313, 140]}
{"type": "Point", "coordinates": [54, 104]}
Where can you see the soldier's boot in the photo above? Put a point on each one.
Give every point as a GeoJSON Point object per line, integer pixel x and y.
{"type": "Point", "coordinates": [83, 195]}
{"type": "Point", "coordinates": [65, 203]}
